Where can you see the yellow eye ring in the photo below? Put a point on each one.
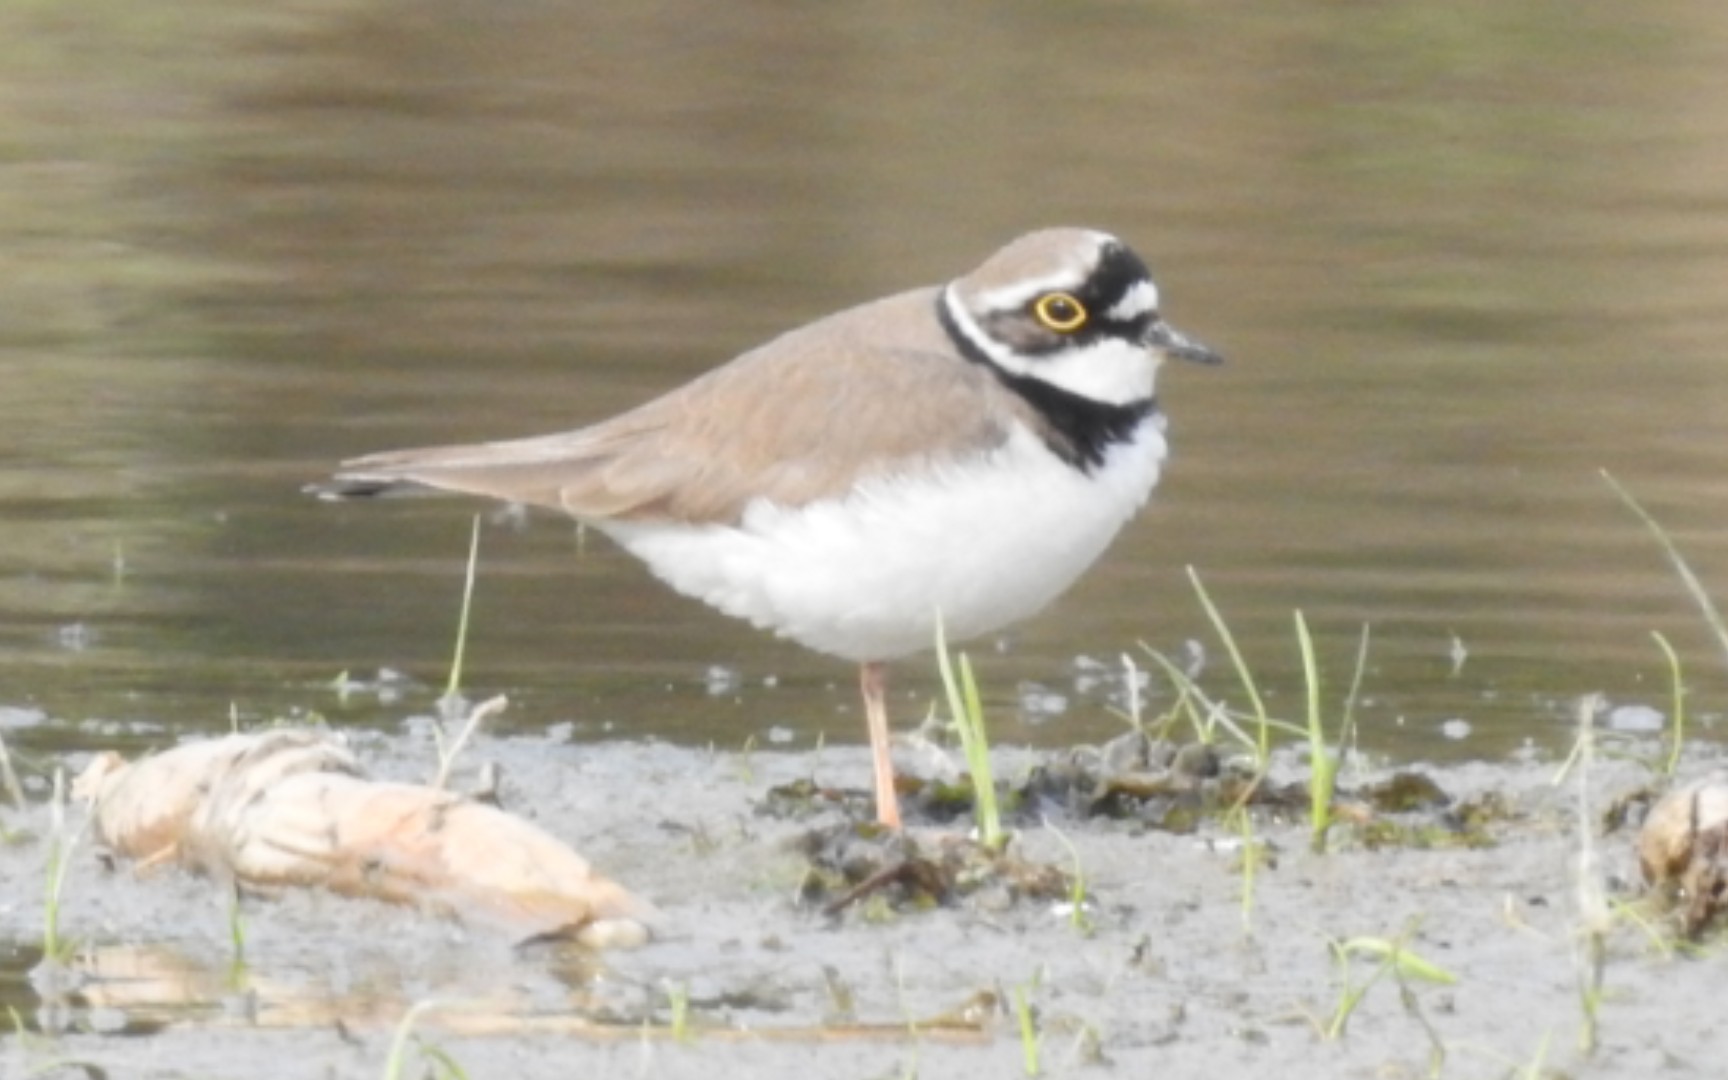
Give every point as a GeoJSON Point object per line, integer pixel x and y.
{"type": "Point", "coordinates": [1060, 311]}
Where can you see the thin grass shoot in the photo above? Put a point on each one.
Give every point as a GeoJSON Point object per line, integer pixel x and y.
{"type": "Point", "coordinates": [1026, 1022]}
{"type": "Point", "coordinates": [746, 759]}
{"type": "Point", "coordinates": [397, 1060]}
{"type": "Point", "coordinates": [967, 709]}
{"type": "Point", "coordinates": [448, 752]}
{"type": "Point", "coordinates": [1322, 766]}
{"type": "Point", "coordinates": [1264, 741]}
{"type": "Point", "coordinates": [1687, 577]}
{"type": "Point", "coordinates": [237, 969]}
{"type": "Point", "coordinates": [56, 948]}
{"type": "Point", "coordinates": [1594, 916]}
{"type": "Point", "coordinates": [1207, 715]}
{"type": "Point", "coordinates": [1131, 687]}
{"type": "Point", "coordinates": [9, 777]}
{"type": "Point", "coordinates": [1079, 915]}
{"type": "Point", "coordinates": [678, 1003]}
{"type": "Point", "coordinates": [1242, 822]}
{"type": "Point", "coordinates": [1390, 957]}
{"type": "Point", "coordinates": [1347, 725]}
{"type": "Point", "coordinates": [453, 689]}
{"type": "Point", "coordinates": [1677, 729]}
{"type": "Point", "coordinates": [1537, 1069]}
{"type": "Point", "coordinates": [1635, 914]}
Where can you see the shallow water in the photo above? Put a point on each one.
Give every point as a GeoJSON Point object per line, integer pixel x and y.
{"type": "Point", "coordinates": [1460, 259]}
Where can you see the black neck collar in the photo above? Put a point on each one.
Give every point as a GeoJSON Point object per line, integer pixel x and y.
{"type": "Point", "coordinates": [1081, 430]}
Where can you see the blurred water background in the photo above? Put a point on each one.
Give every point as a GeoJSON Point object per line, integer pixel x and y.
{"type": "Point", "coordinates": [1461, 257]}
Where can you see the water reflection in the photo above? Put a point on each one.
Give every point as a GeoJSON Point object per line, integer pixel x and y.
{"type": "Point", "coordinates": [1461, 258]}
{"type": "Point", "coordinates": [139, 989]}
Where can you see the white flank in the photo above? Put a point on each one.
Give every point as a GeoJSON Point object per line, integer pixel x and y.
{"type": "Point", "coordinates": [984, 541]}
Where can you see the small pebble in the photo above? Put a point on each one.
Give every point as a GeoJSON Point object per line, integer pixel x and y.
{"type": "Point", "coordinates": [721, 680]}
{"type": "Point", "coordinates": [15, 717]}
{"type": "Point", "coordinates": [1039, 703]}
{"type": "Point", "coordinates": [1197, 760]}
{"type": "Point", "coordinates": [75, 636]}
{"type": "Point", "coordinates": [1125, 753]}
{"type": "Point", "coordinates": [1636, 718]}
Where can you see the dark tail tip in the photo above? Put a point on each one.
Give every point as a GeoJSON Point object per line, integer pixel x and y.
{"type": "Point", "coordinates": [343, 488]}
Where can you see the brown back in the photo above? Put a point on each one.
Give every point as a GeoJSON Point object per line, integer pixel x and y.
{"type": "Point", "coordinates": [866, 391]}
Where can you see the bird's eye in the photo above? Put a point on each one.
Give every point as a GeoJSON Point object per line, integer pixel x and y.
{"type": "Point", "coordinates": [1060, 312]}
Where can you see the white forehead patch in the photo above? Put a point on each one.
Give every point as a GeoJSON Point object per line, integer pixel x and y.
{"type": "Point", "coordinates": [1140, 300]}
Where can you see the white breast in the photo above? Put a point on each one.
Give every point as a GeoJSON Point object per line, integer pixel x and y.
{"type": "Point", "coordinates": [984, 542]}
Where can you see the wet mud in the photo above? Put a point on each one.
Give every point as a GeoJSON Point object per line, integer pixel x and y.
{"type": "Point", "coordinates": [1156, 910]}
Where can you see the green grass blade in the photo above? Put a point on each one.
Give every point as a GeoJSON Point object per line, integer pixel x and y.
{"type": "Point", "coordinates": [1678, 739]}
{"type": "Point", "coordinates": [978, 762]}
{"type": "Point", "coordinates": [945, 669]}
{"type": "Point", "coordinates": [455, 685]}
{"type": "Point", "coordinates": [1188, 692]}
{"type": "Point", "coordinates": [1028, 1025]}
{"type": "Point", "coordinates": [1242, 672]}
{"type": "Point", "coordinates": [9, 778]}
{"type": "Point", "coordinates": [394, 1064]}
{"type": "Point", "coordinates": [1399, 958]}
{"type": "Point", "coordinates": [1077, 916]}
{"type": "Point", "coordinates": [55, 947]}
{"type": "Point", "coordinates": [966, 711]}
{"type": "Point", "coordinates": [1347, 726]}
{"type": "Point", "coordinates": [1693, 585]}
{"type": "Point", "coordinates": [1322, 768]}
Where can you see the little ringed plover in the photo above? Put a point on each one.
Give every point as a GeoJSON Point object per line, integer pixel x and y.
{"type": "Point", "coordinates": [957, 453]}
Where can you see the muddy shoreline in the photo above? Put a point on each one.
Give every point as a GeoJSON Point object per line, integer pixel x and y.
{"type": "Point", "coordinates": [1171, 974]}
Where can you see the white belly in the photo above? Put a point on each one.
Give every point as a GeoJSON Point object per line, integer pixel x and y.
{"type": "Point", "coordinates": [981, 543]}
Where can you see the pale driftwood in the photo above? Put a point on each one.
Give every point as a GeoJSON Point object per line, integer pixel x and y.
{"type": "Point", "coordinates": [292, 808]}
{"type": "Point", "coordinates": [143, 810]}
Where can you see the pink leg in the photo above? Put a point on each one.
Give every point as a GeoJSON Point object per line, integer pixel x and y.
{"type": "Point", "coordinates": [873, 681]}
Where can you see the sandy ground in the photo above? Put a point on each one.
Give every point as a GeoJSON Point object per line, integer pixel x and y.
{"type": "Point", "coordinates": [1172, 977]}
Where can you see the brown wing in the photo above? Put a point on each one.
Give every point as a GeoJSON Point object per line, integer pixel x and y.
{"type": "Point", "coordinates": [866, 391]}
